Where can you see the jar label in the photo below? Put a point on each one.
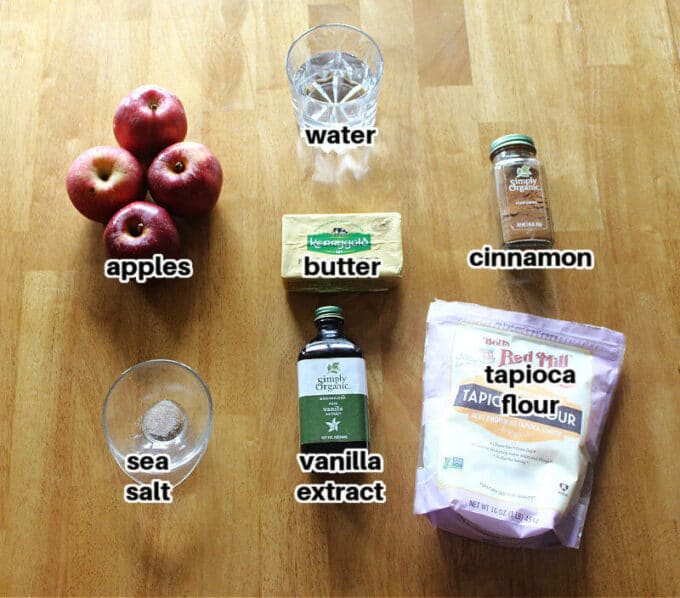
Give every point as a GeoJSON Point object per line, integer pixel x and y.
{"type": "Point", "coordinates": [524, 214]}
{"type": "Point", "coordinates": [333, 400]}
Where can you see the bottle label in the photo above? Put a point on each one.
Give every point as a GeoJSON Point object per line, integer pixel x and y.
{"type": "Point", "coordinates": [525, 212]}
{"type": "Point", "coordinates": [333, 400]}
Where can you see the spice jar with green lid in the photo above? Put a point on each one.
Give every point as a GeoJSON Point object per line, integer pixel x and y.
{"type": "Point", "coordinates": [520, 186]}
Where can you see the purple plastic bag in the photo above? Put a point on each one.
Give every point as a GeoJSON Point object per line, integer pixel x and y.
{"type": "Point", "coordinates": [511, 480]}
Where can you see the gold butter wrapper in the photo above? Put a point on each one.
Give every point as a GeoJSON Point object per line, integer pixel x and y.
{"type": "Point", "coordinates": [324, 236]}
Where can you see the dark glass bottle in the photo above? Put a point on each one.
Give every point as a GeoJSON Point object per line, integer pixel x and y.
{"type": "Point", "coordinates": [332, 390]}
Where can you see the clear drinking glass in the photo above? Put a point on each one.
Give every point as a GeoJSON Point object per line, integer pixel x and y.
{"type": "Point", "coordinates": [159, 406]}
{"type": "Point", "coordinates": [334, 73]}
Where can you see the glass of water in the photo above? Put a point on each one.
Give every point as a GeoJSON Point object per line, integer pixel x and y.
{"type": "Point", "coordinates": [159, 407]}
{"type": "Point", "coordinates": [334, 73]}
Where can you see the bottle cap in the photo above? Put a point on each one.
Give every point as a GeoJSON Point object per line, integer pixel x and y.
{"type": "Point", "coordinates": [507, 140]}
{"type": "Point", "coordinates": [328, 311]}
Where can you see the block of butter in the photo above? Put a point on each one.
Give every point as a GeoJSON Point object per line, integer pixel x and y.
{"type": "Point", "coordinates": [341, 252]}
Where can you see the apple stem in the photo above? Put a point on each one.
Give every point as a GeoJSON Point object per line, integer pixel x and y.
{"type": "Point", "coordinates": [179, 167]}
{"type": "Point", "coordinates": [140, 228]}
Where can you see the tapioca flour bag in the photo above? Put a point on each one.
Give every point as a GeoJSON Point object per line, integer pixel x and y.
{"type": "Point", "coordinates": [510, 479]}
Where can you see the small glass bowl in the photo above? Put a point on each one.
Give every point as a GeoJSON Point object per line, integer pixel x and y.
{"type": "Point", "coordinates": [157, 407]}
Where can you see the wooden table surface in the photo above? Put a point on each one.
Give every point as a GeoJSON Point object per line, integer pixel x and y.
{"type": "Point", "coordinates": [595, 82]}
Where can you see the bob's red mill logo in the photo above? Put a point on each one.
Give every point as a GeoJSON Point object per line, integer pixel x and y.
{"type": "Point", "coordinates": [539, 358]}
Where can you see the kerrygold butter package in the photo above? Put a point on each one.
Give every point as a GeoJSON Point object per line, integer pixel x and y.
{"type": "Point", "coordinates": [512, 479]}
{"type": "Point", "coordinates": [341, 252]}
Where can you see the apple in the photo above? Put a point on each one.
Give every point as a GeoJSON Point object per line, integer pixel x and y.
{"type": "Point", "coordinates": [148, 119]}
{"type": "Point", "coordinates": [102, 180]}
{"type": "Point", "coordinates": [140, 230]}
{"type": "Point", "coordinates": [186, 179]}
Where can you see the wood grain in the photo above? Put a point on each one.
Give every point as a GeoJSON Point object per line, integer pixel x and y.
{"type": "Point", "coordinates": [595, 82]}
{"type": "Point", "coordinates": [441, 43]}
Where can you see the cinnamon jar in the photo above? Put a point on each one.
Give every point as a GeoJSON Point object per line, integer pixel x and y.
{"type": "Point", "coordinates": [520, 186]}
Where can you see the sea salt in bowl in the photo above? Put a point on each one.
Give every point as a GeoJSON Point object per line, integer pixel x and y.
{"type": "Point", "coordinates": [159, 407]}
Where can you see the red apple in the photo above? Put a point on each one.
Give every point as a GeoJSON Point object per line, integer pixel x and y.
{"type": "Point", "coordinates": [140, 230]}
{"type": "Point", "coordinates": [147, 120]}
{"type": "Point", "coordinates": [185, 178]}
{"type": "Point", "coordinates": [104, 179]}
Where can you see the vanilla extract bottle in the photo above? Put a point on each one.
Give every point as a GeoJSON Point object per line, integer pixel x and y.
{"type": "Point", "coordinates": [332, 389]}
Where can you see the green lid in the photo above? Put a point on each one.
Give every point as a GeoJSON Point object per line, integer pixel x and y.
{"type": "Point", "coordinates": [507, 140]}
{"type": "Point", "coordinates": [328, 311]}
